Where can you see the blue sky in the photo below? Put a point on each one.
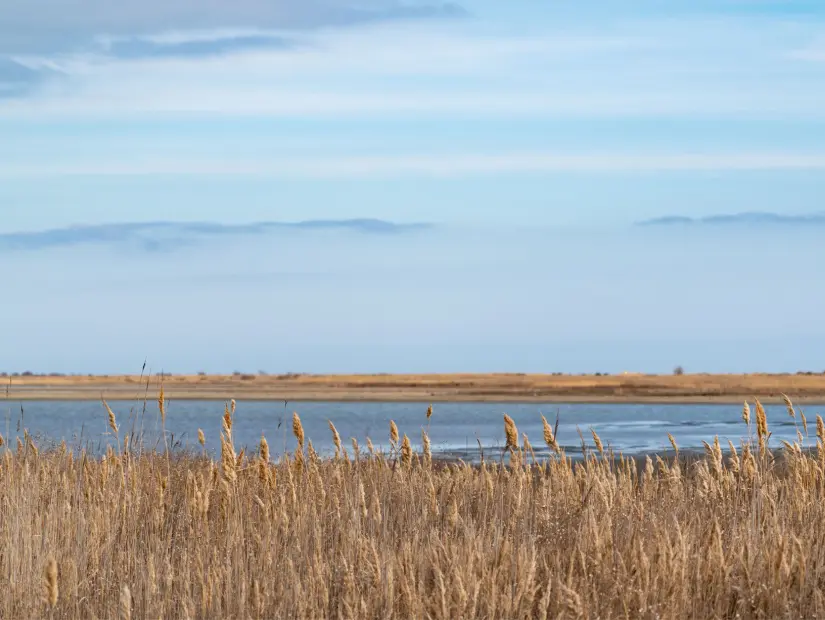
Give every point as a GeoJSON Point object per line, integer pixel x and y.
{"type": "Point", "coordinates": [466, 105]}
{"type": "Point", "coordinates": [552, 121]}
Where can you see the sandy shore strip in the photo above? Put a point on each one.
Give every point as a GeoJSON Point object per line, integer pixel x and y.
{"type": "Point", "coordinates": [688, 388]}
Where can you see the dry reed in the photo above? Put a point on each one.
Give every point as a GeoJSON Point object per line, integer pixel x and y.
{"type": "Point", "coordinates": [733, 534]}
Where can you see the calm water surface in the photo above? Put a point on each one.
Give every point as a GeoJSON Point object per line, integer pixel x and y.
{"type": "Point", "coordinates": [455, 428]}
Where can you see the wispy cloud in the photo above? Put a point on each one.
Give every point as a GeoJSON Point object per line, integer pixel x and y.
{"type": "Point", "coordinates": [44, 39]}
{"type": "Point", "coordinates": [720, 67]}
{"type": "Point", "coordinates": [17, 78]}
{"type": "Point", "coordinates": [815, 52]}
{"type": "Point", "coordinates": [433, 165]}
{"type": "Point", "coordinates": [135, 47]}
{"type": "Point", "coordinates": [49, 26]}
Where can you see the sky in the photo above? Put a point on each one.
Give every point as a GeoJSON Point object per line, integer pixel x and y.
{"type": "Point", "coordinates": [533, 136]}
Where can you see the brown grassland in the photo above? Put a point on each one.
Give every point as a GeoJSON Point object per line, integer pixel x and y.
{"type": "Point", "coordinates": [806, 387]}
{"type": "Point", "coordinates": [733, 534]}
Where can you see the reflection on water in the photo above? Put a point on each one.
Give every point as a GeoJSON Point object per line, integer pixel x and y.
{"type": "Point", "coordinates": [456, 429]}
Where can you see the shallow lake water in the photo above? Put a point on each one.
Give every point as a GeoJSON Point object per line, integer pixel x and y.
{"type": "Point", "coordinates": [455, 429]}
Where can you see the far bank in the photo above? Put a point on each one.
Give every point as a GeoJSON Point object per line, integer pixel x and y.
{"type": "Point", "coordinates": [687, 388]}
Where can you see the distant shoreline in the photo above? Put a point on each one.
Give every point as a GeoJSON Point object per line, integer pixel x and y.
{"type": "Point", "coordinates": [515, 388]}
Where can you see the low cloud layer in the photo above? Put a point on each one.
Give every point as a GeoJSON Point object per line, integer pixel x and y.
{"type": "Point", "coordinates": [740, 219]}
{"type": "Point", "coordinates": [157, 236]}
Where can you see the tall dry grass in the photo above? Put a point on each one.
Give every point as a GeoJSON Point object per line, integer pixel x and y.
{"type": "Point", "coordinates": [733, 534]}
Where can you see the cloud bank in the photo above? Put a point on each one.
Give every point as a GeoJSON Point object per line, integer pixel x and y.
{"type": "Point", "coordinates": [754, 218]}
{"type": "Point", "coordinates": [156, 236]}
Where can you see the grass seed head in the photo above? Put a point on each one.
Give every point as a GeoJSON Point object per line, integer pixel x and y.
{"type": "Point", "coordinates": [336, 439]}
{"type": "Point", "coordinates": [406, 451]}
{"type": "Point", "coordinates": [549, 437]}
{"type": "Point", "coordinates": [50, 582]}
{"type": "Point", "coordinates": [425, 442]}
{"type": "Point", "coordinates": [112, 420]}
{"type": "Point", "coordinates": [452, 514]}
{"type": "Point", "coordinates": [761, 421]}
{"type": "Point", "coordinates": [162, 404]}
{"type": "Point", "coordinates": [298, 429]}
{"type": "Point", "coordinates": [510, 433]}
{"type": "Point", "coordinates": [125, 603]}
{"type": "Point", "coordinates": [789, 406]}
{"type": "Point", "coordinates": [227, 420]}
{"type": "Point", "coordinates": [597, 440]}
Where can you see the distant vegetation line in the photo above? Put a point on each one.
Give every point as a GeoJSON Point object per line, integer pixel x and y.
{"type": "Point", "coordinates": [502, 387]}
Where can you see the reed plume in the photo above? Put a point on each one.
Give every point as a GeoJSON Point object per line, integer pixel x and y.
{"type": "Point", "coordinates": [549, 437]}
{"type": "Point", "coordinates": [761, 421]}
{"type": "Point", "coordinates": [162, 405]}
{"type": "Point", "coordinates": [50, 587]}
{"type": "Point", "coordinates": [452, 513]}
{"type": "Point", "coordinates": [112, 420]}
{"type": "Point", "coordinates": [510, 433]}
{"type": "Point", "coordinates": [125, 603]}
{"type": "Point", "coordinates": [406, 451]}
{"type": "Point", "coordinates": [597, 440]}
{"type": "Point", "coordinates": [229, 460]}
{"type": "Point", "coordinates": [298, 429]}
{"type": "Point", "coordinates": [336, 439]}
{"type": "Point", "coordinates": [789, 406]}
{"type": "Point", "coordinates": [227, 420]}
{"type": "Point", "coordinates": [425, 442]}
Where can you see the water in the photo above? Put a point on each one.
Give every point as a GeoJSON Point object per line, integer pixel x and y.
{"type": "Point", "coordinates": [455, 428]}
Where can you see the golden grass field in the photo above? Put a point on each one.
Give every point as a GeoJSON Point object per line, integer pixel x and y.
{"type": "Point", "coordinates": [364, 535]}
{"type": "Point", "coordinates": [430, 388]}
